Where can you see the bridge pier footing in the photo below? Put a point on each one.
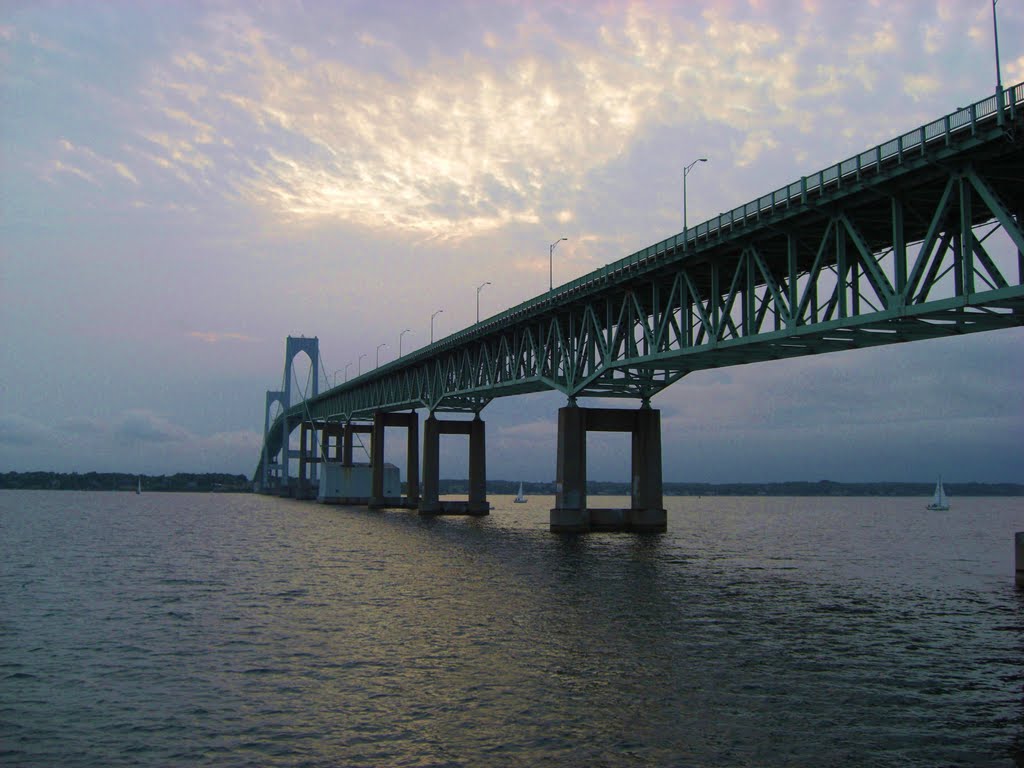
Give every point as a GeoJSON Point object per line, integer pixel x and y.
{"type": "Point", "coordinates": [411, 421]}
{"type": "Point", "coordinates": [309, 460]}
{"type": "Point", "coordinates": [430, 503]}
{"type": "Point", "coordinates": [646, 513]}
{"type": "Point", "coordinates": [349, 433]}
{"type": "Point", "coordinates": [332, 432]}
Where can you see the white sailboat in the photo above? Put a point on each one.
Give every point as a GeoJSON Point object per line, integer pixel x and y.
{"type": "Point", "coordinates": [138, 488]}
{"type": "Point", "coordinates": [939, 501]}
{"type": "Point", "coordinates": [519, 499]}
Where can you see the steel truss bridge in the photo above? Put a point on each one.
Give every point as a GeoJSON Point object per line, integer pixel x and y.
{"type": "Point", "coordinates": [916, 238]}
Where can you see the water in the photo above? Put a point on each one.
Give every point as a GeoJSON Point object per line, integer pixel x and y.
{"type": "Point", "coordinates": [236, 630]}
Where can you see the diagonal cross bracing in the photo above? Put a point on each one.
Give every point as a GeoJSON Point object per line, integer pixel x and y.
{"type": "Point", "coordinates": [878, 249]}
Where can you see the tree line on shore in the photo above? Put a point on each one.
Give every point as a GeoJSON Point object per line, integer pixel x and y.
{"type": "Point", "coordinates": [121, 481]}
{"type": "Point", "coordinates": [221, 482]}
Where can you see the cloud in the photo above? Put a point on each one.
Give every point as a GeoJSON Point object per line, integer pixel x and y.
{"type": "Point", "coordinates": [154, 444]}
{"type": "Point", "coordinates": [882, 40]}
{"type": "Point", "coordinates": [88, 164]}
{"type": "Point", "coordinates": [83, 426]}
{"type": "Point", "coordinates": [141, 426]}
{"type": "Point", "coordinates": [501, 129]}
{"type": "Point", "coordinates": [755, 143]}
{"type": "Point", "coordinates": [916, 85]}
{"type": "Point", "coordinates": [18, 431]}
{"type": "Point", "coordinates": [1014, 70]}
{"type": "Point", "coordinates": [468, 144]}
{"type": "Point", "coordinates": [214, 337]}
{"type": "Point", "coordinates": [59, 166]}
{"type": "Point", "coordinates": [245, 439]}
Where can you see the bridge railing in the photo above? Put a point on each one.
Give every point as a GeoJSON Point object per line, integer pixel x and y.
{"type": "Point", "coordinates": [884, 155]}
{"type": "Point", "coordinates": [869, 161]}
{"type": "Point", "coordinates": [888, 154]}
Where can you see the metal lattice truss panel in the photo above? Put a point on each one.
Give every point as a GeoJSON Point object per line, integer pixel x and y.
{"type": "Point", "coordinates": [918, 238]}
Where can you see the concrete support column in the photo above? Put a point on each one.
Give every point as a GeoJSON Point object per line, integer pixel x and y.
{"type": "Point", "coordinates": [430, 503]}
{"type": "Point", "coordinates": [411, 422]}
{"type": "Point", "coordinates": [285, 458]}
{"type": "Point", "coordinates": [477, 468]}
{"type": "Point", "coordinates": [300, 491]}
{"type": "Point", "coordinates": [313, 452]}
{"type": "Point", "coordinates": [377, 462]}
{"type": "Point", "coordinates": [346, 444]}
{"type": "Point", "coordinates": [570, 513]}
{"type": "Point", "coordinates": [412, 461]}
{"type": "Point", "coordinates": [332, 432]}
{"type": "Point", "coordinates": [648, 512]}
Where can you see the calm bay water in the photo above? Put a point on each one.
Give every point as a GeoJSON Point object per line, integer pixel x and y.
{"type": "Point", "coordinates": [238, 630]}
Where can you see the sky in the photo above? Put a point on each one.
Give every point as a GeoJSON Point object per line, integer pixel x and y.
{"type": "Point", "coordinates": [184, 184]}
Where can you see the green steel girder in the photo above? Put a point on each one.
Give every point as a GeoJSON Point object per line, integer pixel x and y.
{"type": "Point", "coordinates": [886, 247]}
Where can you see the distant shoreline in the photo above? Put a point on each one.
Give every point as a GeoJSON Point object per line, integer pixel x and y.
{"type": "Point", "coordinates": [121, 481]}
{"type": "Point", "coordinates": [785, 488]}
{"type": "Point", "coordinates": [226, 483]}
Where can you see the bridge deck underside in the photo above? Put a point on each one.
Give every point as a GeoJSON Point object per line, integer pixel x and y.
{"type": "Point", "coordinates": [926, 244]}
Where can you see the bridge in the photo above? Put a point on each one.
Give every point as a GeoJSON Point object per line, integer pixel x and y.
{"type": "Point", "coordinates": [916, 238]}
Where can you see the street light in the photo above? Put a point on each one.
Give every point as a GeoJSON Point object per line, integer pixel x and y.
{"type": "Point", "coordinates": [336, 377]}
{"type": "Point", "coordinates": [686, 172]}
{"type": "Point", "coordinates": [432, 324]}
{"type": "Point", "coordinates": [400, 340]}
{"type": "Point", "coordinates": [378, 354]}
{"type": "Point", "coordinates": [361, 364]}
{"type": "Point", "coordinates": [999, 77]}
{"type": "Point", "coordinates": [551, 261]}
{"type": "Point", "coordinates": [347, 366]}
{"type": "Point", "coordinates": [479, 288]}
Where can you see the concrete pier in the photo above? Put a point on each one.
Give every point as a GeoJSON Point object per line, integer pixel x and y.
{"type": "Point", "coordinates": [349, 433]}
{"type": "Point", "coordinates": [411, 421]}
{"type": "Point", "coordinates": [350, 485]}
{"type": "Point", "coordinates": [304, 489]}
{"type": "Point", "coordinates": [312, 454]}
{"type": "Point", "coordinates": [571, 513]}
{"type": "Point", "coordinates": [332, 437]}
{"type": "Point", "coordinates": [430, 503]}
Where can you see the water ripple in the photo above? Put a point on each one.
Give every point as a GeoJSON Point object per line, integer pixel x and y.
{"type": "Point", "coordinates": [228, 630]}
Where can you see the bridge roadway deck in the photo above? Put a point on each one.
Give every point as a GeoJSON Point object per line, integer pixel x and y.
{"type": "Point", "coordinates": [915, 238]}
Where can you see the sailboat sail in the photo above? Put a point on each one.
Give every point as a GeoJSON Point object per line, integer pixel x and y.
{"type": "Point", "coordinates": [939, 500]}
{"type": "Point", "coordinates": [520, 499]}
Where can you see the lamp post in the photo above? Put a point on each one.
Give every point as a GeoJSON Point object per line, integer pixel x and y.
{"type": "Point", "coordinates": [336, 376]}
{"type": "Point", "coordinates": [432, 324]}
{"type": "Point", "coordinates": [347, 366]}
{"type": "Point", "coordinates": [361, 364]}
{"type": "Point", "coordinates": [551, 261]}
{"type": "Point", "coordinates": [999, 77]}
{"type": "Point", "coordinates": [379, 346]}
{"type": "Point", "coordinates": [400, 340]}
{"type": "Point", "coordinates": [686, 172]}
{"type": "Point", "coordinates": [479, 288]}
